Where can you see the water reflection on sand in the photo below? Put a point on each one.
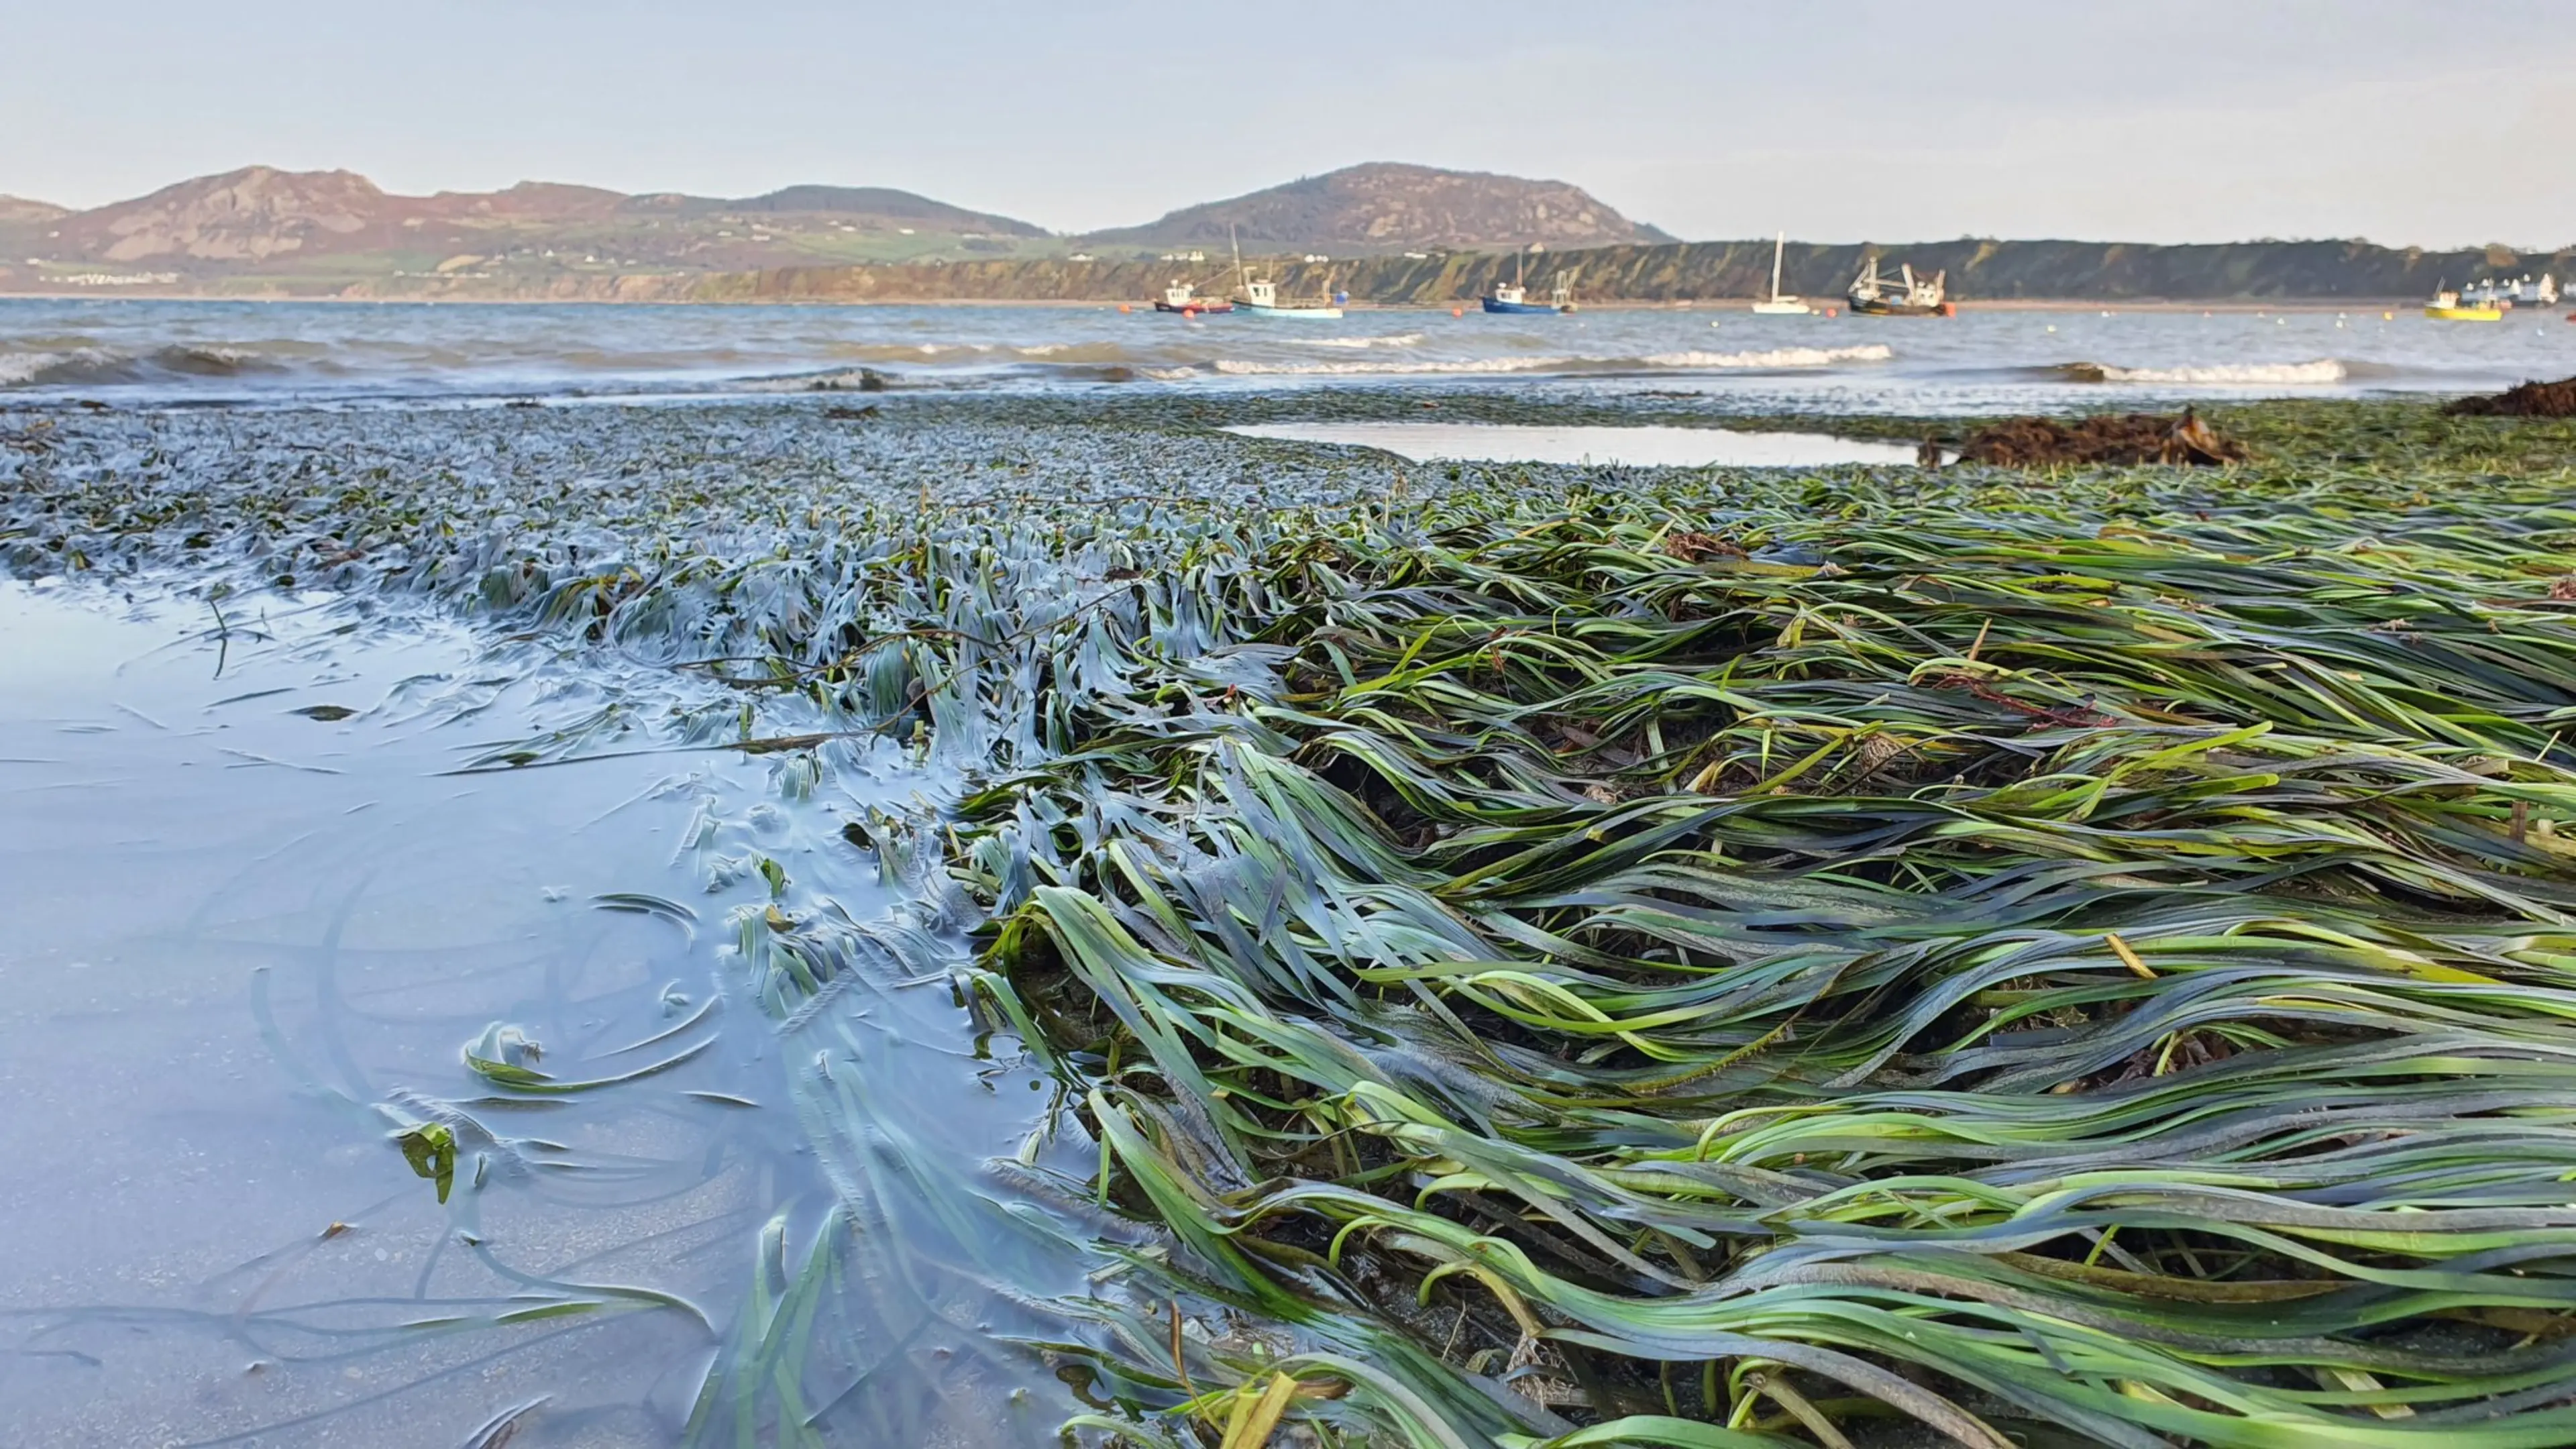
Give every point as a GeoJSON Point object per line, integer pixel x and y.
{"type": "Point", "coordinates": [255, 916]}
{"type": "Point", "coordinates": [1647, 447]}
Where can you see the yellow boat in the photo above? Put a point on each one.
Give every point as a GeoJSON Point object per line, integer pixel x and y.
{"type": "Point", "coordinates": [2447, 307]}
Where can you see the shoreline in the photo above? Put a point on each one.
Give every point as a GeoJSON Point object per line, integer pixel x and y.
{"type": "Point", "coordinates": [2255, 305]}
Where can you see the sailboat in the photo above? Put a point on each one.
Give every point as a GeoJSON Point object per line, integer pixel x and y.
{"type": "Point", "coordinates": [1781, 304]}
{"type": "Point", "coordinates": [1515, 298]}
{"type": "Point", "coordinates": [1261, 295]}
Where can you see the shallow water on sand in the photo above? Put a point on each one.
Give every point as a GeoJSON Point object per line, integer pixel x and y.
{"type": "Point", "coordinates": [261, 902]}
{"type": "Point", "coordinates": [1644, 447]}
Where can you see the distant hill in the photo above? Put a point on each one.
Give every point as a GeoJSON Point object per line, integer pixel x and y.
{"type": "Point", "coordinates": [23, 224]}
{"type": "Point", "coordinates": [325, 230]}
{"type": "Point", "coordinates": [1386, 207]}
{"type": "Point", "coordinates": [265, 231]}
{"type": "Point", "coordinates": [881, 201]}
{"type": "Point", "coordinates": [20, 209]}
{"type": "Point", "coordinates": [246, 215]}
{"type": "Point", "coordinates": [1397, 234]}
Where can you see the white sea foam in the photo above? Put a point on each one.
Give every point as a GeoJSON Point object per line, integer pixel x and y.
{"type": "Point", "coordinates": [1235, 367]}
{"type": "Point", "coordinates": [1649, 447]}
{"type": "Point", "coordinates": [1407, 339]}
{"type": "Point", "coordinates": [1699, 361]}
{"type": "Point", "coordinates": [2322, 372]}
{"type": "Point", "coordinates": [1776, 357]}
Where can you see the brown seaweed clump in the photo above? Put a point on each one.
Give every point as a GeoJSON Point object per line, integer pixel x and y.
{"type": "Point", "coordinates": [2531, 400]}
{"type": "Point", "coordinates": [2104, 438]}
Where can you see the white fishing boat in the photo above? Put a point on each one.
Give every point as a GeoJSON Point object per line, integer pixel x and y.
{"type": "Point", "coordinates": [1514, 297]}
{"type": "Point", "coordinates": [1781, 304]}
{"type": "Point", "coordinates": [1260, 295]}
{"type": "Point", "coordinates": [1261, 299]}
{"type": "Point", "coordinates": [1181, 297]}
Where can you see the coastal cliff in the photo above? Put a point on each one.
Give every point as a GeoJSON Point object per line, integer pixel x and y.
{"type": "Point", "coordinates": [1979, 270]}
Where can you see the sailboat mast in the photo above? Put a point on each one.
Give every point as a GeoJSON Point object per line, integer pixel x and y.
{"type": "Point", "coordinates": [1239, 279]}
{"type": "Point", "coordinates": [1777, 248]}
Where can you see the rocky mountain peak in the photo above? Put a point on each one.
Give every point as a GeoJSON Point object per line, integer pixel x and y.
{"type": "Point", "coordinates": [1384, 206]}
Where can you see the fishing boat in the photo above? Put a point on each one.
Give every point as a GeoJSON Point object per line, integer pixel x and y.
{"type": "Point", "coordinates": [1515, 298]}
{"type": "Point", "coordinates": [2450, 306]}
{"type": "Point", "coordinates": [1781, 304]}
{"type": "Point", "coordinates": [1181, 297]}
{"type": "Point", "coordinates": [1261, 295]}
{"type": "Point", "coordinates": [1909, 296]}
{"type": "Point", "coordinates": [1261, 299]}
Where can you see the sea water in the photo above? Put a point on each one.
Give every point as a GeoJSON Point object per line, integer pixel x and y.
{"type": "Point", "coordinates": [122, 351]}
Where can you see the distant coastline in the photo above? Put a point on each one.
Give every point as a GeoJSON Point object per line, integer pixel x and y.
{"type": "Point", "coordinates": [2330, 275]}
{"type": "Point", "coordinates": [1095, 304]}
{"type": "Point", "coordinates": [1384, 233]}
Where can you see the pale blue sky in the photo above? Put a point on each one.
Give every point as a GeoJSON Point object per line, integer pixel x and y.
{"type": "Point", "coordinates": [2158, 120]}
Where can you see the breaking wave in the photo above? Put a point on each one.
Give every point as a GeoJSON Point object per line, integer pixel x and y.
{"type": "Point", "coordinates": [2325, 371]}
{"type": "Point", "coordinates": [1782, 357]}
{"type": "Point", "coordinates": [105, 367]}
{"type": "Point", "coordinates": [1238, 367]}
{"type": "Point", "coordinates": [839, 379]}
{"type": "Point", "coordinates": [1776, 357]}
{"type": "Point", "coordinates": [1407, 339]}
